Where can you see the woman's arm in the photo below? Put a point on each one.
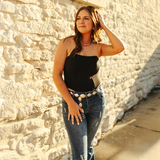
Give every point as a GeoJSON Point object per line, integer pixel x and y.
{"type": "Point", "coordinates": [59, 61]}
{"type": "Point", "coordinates": [116, 46]}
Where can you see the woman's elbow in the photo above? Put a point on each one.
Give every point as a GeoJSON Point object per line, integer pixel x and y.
{"type": "Point", "coordinates": [121, 48]}
{"type": "Point", "coordinates": [56, 76]}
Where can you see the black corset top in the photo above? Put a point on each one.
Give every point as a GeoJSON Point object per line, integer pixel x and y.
{"type": "Point", "coordinates": [80, 73]}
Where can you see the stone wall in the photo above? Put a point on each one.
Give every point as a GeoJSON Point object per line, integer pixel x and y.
{"type": "Point", "coordinates": [31, 125]}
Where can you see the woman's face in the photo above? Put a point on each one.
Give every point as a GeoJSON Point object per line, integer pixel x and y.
{"type": "Point", "coordinates": [84, 22]}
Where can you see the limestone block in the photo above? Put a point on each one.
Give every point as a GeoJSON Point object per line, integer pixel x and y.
{"type": "Point", "coordinates": [12, 133]}
{"type": "Point", "coordinates": [69, 12]}
{"type": "Point", "coordinates": [60, 135]}
{"type": "Point", "coordinates": [112, 118]}
{"type": "Point", "coordinates": [130, 104]}
{"type": "Point", "coordinates": [36, 27]}
{"type": "Point", "coordinates": [131, 82]}
{"type": "Point", "coordinates": [32, 142]}
{"type": "Point", "coordinates": [51, 118]}
{"type": "Point", "coordinates": [12, 144]}
{"type": "Point", "coordinates": [23, 78]}
{"type": "Point", "coordinates": [47, 55]}
{"type": "Point", "coordinates": [1, 50]}
{"type": "Point", "coordinates": [13, 54]}
{"type": "Point", "coordinates": [58, 152]}
{"type": "Point", "coordinates": [53, 143]}
{"type": "Point", "coordinates": [133, 88]}
{"type": "Point", "coordinates": [25, 41]}
{"type": "Point", "coordinates": [27, 1]}
{"type": "Point", "coordinates": [61, 35]}
{"type": "Point", "coordinates": [125, 85]}
{"type": "Point", "coordinates": [36, 64]}
{"type": "Point", "coordinates": [27, 68]}
{"type": "Point", "coordinates": [51, 13]}
{"type": "Point", "coordinates": [13, 68]}
{"type": "Point", "coordinates": [34, 55]}
{"type": "Point", "coordinates": [2, 60]}
{"type": "Point", "coordinates": [7, 110]}
{"type": "Point", "coordinates": [126, 92]}
{"type": "Point", "coordinates": [112, 82]}
{"type": "Point", "coordinates": [99, 3]}
{"type": "Point", "coordinates": [118, 80]}
{"type": "Point", "coordinates": [118, 90]}
{"type": "Point", "coordinates": [2, 66]}
{"type": "Point", "coordinates": [46, 66]}
{"type": "Point", "coordinates": [131, 97]}
{"type": "Point", "coordinates": [64, 2]}
{"type": "Point", "coordinates": [49, 86]}
{"type": "Point", "coordinates": [35, 37]}
{"type": "Point", "coordinates": [145, 90]}
{"type": "Point", "coordinates": [13, 96]}
{"type": "Point", "coordinates": [42, 74]}
{"type": "Point", "coordinates": [139, 94]}
{"type": "Point", "coordinates": [57, 126]}
{"type": "Point", "coordinates": [47, 4]}
{"type": "Point", "coordinates": [11, 155]}
{"type": "Point", "coordinates": [5, 21]}
{"type": "Point", "coordinates": [37, 86]}
{"type": "Point", "coordinates": [7, 37]}
{"type": "Point", "coordinates": [49, 43]}
{"type": "Point", "coordinates": [28, 11]}
{"type": "Point", "coordinates": [17, 68]}
{"type": "Point", "coordinates": [55, 100]}
{"type": "Point", "coordinates": [7, 6]}
{"type": "Point", "coordinates": [57, 25]}
{"type": "Point", "coordinates": [118, 8]}
{"type": "Point", "coordinates": [33, 108]}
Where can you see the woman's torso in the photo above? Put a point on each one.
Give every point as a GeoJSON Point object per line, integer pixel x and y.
{"type": "Point", "coordinates": [80, 71]}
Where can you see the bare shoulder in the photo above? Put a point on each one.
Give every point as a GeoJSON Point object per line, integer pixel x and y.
{"type": "Point", "coordinates": [69, 44]}
{"type": "Point", "coordinates": [68, 40]}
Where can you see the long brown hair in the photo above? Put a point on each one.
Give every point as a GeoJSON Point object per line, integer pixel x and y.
{"type": "Point", "coordinates": [96, 30]}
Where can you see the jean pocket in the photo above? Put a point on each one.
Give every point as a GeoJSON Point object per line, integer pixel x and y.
{"type": "Point", "coordinates": [101, 94]}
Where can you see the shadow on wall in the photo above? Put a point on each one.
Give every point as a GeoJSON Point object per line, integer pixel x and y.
{"type": "Point", "coordinates": [134, 87]}
{"type": "Point", "coordinates": [142, 140]}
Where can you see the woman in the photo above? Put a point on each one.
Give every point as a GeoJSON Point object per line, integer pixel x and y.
{"type": "Point", "coordinates": [83, 99]}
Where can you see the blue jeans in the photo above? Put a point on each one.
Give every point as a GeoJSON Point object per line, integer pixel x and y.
{"type": "Point", "coordinates": [82, 136]}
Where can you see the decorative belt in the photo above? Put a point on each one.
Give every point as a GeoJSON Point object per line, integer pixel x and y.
{"type": "Point", "coordinates": [81, 95]}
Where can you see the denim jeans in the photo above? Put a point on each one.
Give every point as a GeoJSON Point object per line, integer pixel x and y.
{"type": "Point", "coordinates": [82, 136]}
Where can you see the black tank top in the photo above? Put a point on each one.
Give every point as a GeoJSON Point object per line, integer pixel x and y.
{"type": "Point", "coordinates": [80, 73]}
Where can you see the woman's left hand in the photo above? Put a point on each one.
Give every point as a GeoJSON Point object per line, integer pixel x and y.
{"type": "Point", "coordinates": [101, 20]}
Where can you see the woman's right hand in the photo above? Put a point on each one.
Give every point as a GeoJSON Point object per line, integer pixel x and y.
{"type": "Point", "coordinates": [74, 112]}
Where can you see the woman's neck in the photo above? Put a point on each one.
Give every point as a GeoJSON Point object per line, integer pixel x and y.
{"type": "Point", "coordinates": [86, 38]}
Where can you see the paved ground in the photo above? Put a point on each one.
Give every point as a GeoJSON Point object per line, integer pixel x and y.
{"type": "Point", "coordinates": [136, 136]}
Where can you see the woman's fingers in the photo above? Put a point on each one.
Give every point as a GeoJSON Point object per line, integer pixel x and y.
{"type": "Point", "coordinates": [72, 119]}
{"type": "Point", "coordinates": [77, 119]}
{"type": "Point", "coordinates": [81, 110]}
{"type": "Point", "coordinates": [69, 116]}
{"type": "Point", "coordinates": [75, 115]}
{"type": "Point", "coordinates": [80, 117]}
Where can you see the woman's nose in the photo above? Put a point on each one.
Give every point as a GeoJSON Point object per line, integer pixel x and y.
{"type": "Point", "coordinates": [82, 20]}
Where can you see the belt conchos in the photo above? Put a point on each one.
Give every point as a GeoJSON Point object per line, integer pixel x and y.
{"type": "Point", "coordinates": [84, 95]}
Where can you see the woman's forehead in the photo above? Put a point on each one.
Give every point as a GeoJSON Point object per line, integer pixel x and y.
{"type": "Point", "coordinates": [84, 12]}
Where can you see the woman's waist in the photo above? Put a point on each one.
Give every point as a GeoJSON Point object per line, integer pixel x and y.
{"type": "Point", "coordinates": [87, 93]}
{"type": "Point", "coordinates": [82, 84]}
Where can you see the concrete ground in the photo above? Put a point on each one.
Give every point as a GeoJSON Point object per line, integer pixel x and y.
{"type": "Point", "coordinates": [136, 136]}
